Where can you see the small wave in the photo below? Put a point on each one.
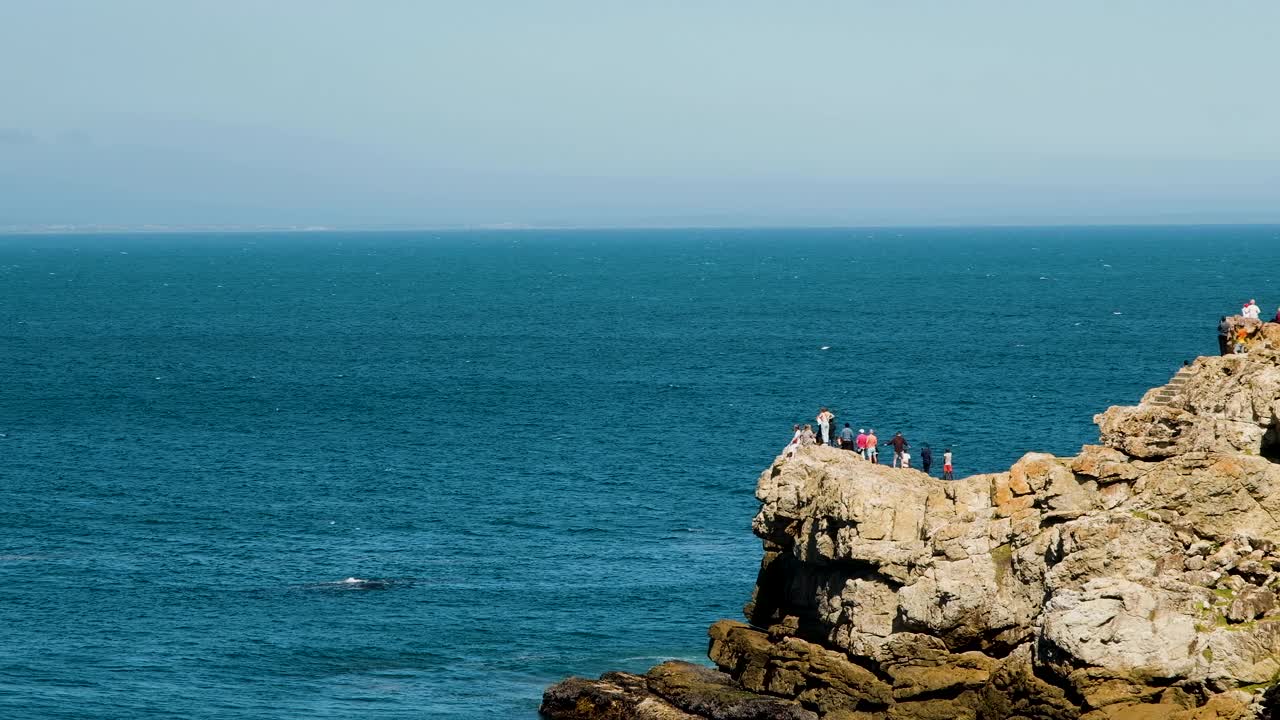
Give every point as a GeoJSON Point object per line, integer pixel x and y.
{"type": "Point", "coordinates": [654, 659]}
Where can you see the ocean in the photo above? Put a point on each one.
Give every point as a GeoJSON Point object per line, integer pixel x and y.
{"type": "Point", "coordinates": [426, 474]}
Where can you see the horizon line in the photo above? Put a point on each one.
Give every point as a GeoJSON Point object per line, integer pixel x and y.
{"type": "Point", "coordinates": [207, 229]}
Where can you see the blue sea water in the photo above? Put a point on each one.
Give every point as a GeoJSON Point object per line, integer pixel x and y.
{"type": "Point", "coordinates": [539, 447]}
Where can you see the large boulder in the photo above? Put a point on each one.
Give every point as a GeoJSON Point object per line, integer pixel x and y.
{"type": "Point", "coordinates": [1138, 579]}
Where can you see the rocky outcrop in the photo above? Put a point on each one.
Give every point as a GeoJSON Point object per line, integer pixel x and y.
{"type": "Point", "coordinates": [1136, 580]}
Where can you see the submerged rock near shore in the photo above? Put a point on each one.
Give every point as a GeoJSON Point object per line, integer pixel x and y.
{"type": "Point", "coordinates": [1137, 580]}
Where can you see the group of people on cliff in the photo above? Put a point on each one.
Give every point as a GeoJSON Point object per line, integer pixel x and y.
{"type": "Point", "coordinates": [865, 443]}
{"type": "Point", "coordinates": [1233, 338]}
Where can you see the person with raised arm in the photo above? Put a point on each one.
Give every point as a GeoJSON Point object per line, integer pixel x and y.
{"type": "Point", "coordinates": [824, 425]}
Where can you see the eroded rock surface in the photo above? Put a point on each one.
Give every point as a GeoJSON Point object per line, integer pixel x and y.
{"type": "Point", "coordinates": [1136, 580]}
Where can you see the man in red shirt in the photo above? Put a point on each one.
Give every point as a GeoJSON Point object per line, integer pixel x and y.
{"type": "Point", "coordinates": [900, 446]}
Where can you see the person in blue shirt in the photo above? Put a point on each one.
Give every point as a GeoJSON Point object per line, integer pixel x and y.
{"type": "Point", "coordinates": [846, 438]}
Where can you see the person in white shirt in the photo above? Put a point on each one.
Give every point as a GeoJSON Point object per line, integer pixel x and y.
{"type": "Point", "coordinates": [1251, 310]}
{"type": "Point", "coordinates": [791, 447]}
{"type": "Point", "coordinates": [906, 458]}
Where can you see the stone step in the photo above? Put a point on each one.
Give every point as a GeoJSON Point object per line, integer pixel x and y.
{"type": "Point", "coordinates": [1169, 394]}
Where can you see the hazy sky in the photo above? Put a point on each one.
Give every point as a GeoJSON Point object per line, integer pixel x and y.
{"type": "Point", "coordinates": [387, 113]}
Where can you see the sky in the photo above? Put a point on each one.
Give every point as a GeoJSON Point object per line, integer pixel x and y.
{"type": "Point", "coordinates": [658, 113]}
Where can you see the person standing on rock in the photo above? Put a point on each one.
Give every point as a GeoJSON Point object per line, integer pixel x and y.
{"type": "Point", "coordinates": [1224, 335]}
{"type": "Point", "coordinates": [846, 438]}
{"type": "Point", "coordinates": [1277, 316]}
{"type": "Point", "coordinates": [926, 458]}
{"type": "Point", "coordinates": [790, 449]}
{"type": "Point", "coordinates": [861, 443]}
{"type": "Point", "coordinates": [824, 424]}
{"type": "Point", "coordinates": [873, 451]}
{"type": "Point", "coordinates": [1242, 341]}
{"type": "Point", "coordinates": [906, 459]}
{"type": "Point", "coordinates": [946, 465]}
{"type": "Point", "coordinates": [900, 446]}
{"type": "Point", "coordinates": [1251, 311]}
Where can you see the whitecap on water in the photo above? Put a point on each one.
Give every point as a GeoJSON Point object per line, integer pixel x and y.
{"type": "Point", "coordinates": [357, 583]}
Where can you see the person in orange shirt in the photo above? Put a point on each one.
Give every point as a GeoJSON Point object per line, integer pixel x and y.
{"type": "Point", "coordinates": [872, 442]}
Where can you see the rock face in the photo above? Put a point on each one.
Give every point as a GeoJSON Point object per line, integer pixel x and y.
{"type": "Point", "coordinates": [1136, 580]}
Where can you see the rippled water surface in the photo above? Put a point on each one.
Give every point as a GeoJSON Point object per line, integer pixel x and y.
{"type": "Point", "coordinates": [426, 474]}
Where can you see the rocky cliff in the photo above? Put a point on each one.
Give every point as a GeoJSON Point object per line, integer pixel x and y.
{"type": "Point", "coordinates": [1136, 580]}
